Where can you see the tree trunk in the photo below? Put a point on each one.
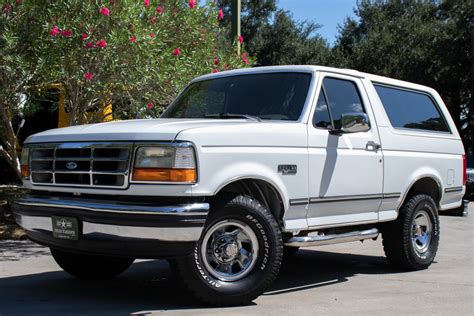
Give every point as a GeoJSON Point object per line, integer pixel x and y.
{"type": "Point", "coordinates": [9, 139]}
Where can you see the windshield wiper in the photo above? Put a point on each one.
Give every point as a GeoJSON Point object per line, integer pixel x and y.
{"type": "Point", "coordinates": [231, 116]}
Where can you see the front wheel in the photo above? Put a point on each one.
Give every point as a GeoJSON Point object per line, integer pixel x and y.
{"type": "Point", "coordinates": [238, 256]}
{"type": "Point", "coordinates": [90, 267]}
{"type": "Point", "coordinates": [411, 242]}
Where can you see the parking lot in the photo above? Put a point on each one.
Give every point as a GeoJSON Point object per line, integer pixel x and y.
{"type": "Point", "coordinates": [351, 278]}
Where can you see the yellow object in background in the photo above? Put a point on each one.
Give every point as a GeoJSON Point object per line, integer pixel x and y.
{"type": "Point", "coordinates": [104, 114]}
{"type": "Point", "coordinates": [63, 116]}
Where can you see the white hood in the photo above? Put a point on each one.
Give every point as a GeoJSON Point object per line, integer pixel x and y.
{"type": "Point", "coordinates": [133, 130]}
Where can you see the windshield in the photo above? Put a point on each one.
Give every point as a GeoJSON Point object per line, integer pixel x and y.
{"type": "Point", "coordinates": [270, 96]}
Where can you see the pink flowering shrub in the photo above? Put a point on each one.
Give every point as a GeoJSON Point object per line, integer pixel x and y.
{"type": "Point", "coordinates": [137, 55]}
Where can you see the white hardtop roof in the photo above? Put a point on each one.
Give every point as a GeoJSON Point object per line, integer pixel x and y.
{"type": "Point", "coordinates": [314, 69]}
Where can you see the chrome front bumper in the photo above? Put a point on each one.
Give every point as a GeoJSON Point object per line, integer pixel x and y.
{"type": "Point", "coordinates": [149, 230]}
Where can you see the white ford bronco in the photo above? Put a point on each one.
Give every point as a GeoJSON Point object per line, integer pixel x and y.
{"type": "Point", "coordinates": [245, 167]}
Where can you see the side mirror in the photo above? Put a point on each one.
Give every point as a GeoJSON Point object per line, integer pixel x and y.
{"type": "Point", "coordinates": [354, 123]}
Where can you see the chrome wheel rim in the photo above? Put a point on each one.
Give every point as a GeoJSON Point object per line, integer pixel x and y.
{"type": "Point", "coordinates": [421, 232]}
{"type": "Point", "coordinates": [229, 250]}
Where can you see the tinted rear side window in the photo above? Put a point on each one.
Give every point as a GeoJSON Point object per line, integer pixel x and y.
{"type": "Point", "coordinates": [410, 109]}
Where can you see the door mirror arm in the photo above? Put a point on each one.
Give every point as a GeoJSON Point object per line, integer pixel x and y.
{"type": "Point", "coordinates": [335, 131]}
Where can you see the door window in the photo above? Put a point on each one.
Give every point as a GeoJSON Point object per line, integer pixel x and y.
{"type": "Point", "coordinates": [322, 117]}
{"type": "Point", "coordinates": [342, 96]}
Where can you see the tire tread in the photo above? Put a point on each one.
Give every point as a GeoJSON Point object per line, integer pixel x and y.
{"type": "Point", "coordinates": [208, 298]}
{"type": "Point", "coordinates": [396, 244]}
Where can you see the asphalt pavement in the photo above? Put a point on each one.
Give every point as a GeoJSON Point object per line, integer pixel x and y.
{"type": "Point", "coordinates": [351, 278]}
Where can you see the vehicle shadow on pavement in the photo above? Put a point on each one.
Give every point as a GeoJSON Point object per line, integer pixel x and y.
{"type": "Point", "coordinates": [150, 286]}
{"type": "Point", "coordinates": [18, 250]}
{"type": "Point", "coordinates": [311, 269]}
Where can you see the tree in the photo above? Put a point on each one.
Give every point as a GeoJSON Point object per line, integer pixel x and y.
{"type": "Point", "coordinates": [255, 15]}
{"type": "Point", "coordinates": [275, 38]}
{"type": "Point", "coordinates": [132, 53]}
{"type": "Point", "coordinates": [136, 55]}
{"type": "Point", "coordinates": [424, 42]}
{"type": "Point", "coordinates": [19, 31]}
{"type": "Point", "coordinates": [286, 42]}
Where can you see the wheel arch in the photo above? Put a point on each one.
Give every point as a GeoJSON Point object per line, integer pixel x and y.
{"type": "Point", "coordinates": [259, 188]}
{"type": "Point", "coordinates": [424, 184]}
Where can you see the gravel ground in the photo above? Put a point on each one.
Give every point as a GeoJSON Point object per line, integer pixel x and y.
{"type": "Point", "coordinates": [351, 278]}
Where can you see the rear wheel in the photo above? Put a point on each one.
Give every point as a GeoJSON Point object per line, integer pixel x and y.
{"type": "Point", "coordinates": [411, 242]}
{"type": "Point", "coordinates": [90, 267]}
{"type": "Point", "coordinates": [238, 255]}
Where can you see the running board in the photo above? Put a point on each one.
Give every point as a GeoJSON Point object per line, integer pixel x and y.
{"type": "Point", "coordinates": [319, 240]}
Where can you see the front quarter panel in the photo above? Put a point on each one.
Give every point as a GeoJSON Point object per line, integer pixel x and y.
{"type": "Point", "coordinates": [253, 152]}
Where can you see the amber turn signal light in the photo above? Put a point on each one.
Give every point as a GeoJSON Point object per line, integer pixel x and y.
{"type": "Point", "coordinates": [164, 175]}
{"type": "Point", "coordinates": [25, 171]}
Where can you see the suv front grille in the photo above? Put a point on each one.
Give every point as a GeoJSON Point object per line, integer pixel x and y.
{"type": "Point", "coordinates": [81, 164]}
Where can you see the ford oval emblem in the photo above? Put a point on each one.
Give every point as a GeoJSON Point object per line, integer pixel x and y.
{"type": "Point", "coordinates": [71, 165]}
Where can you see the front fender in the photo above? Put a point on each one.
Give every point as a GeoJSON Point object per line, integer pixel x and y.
{"type": "Point", "coordinates": [219, 166]}
{"type": "Point", "coordinates": [211, 185]}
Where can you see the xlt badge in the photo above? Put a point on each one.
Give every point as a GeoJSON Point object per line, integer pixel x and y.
{"type": "Point", "coordinates": [287, 169]}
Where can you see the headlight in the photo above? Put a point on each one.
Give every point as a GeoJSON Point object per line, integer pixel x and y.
{"type": "Point", "coordinates": [24, 162]}
{"type": "Point", "coordinates": [165, 164]}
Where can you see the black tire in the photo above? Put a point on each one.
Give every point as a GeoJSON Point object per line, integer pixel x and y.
{"type": "Point", "coordinates": [289, 252]}
{"type": "Point", "coordinates": [90, 267]}
{"type": "Point", "coordinates": [201, 280]}
{"type": "Point", "coordinates": [402, 249]}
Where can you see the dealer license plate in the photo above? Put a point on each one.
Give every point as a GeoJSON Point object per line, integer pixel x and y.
{"type": "Point", "coordinates": [65, 227]}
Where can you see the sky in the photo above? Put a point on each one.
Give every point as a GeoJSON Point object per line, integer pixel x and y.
{"type": "Point", "coordinates": [328, 13]}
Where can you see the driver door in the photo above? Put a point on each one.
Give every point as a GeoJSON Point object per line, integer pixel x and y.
{"type": "Point", "coordinates": [346, 169]}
